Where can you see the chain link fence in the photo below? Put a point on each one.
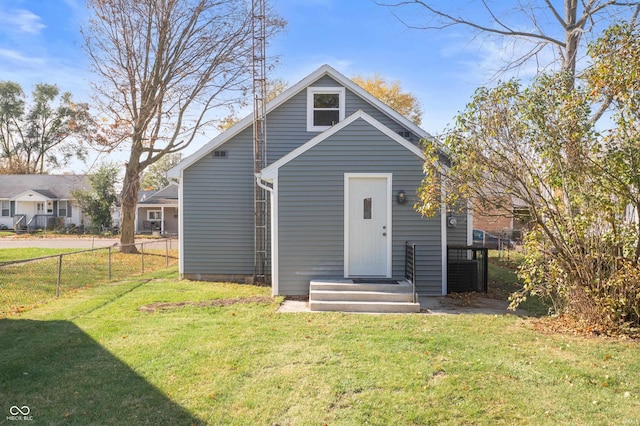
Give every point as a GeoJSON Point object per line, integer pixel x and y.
{"type": "Point", "coordinates": [28, 283]}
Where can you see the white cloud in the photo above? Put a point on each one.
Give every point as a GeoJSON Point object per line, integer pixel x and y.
{"type": "Point", "coordinates": [74, 5]}
{"type": "Point", "coordinates": [22, 21]}
{"type": "Point", "coordinates": [19, 57]}
{"type": "Point", "coordinates": [484, 59]}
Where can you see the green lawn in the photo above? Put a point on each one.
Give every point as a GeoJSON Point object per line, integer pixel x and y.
{"type": "Point", "coordinates": [95, 357]}
{"type": "Point", "coordinates": [503, 281]}
{"type": "Point", "coordinates": [7, 255]}
{"type": "Point", "coordinates": [28, 284]}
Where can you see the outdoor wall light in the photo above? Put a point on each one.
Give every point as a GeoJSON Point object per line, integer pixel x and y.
{"type": "Point", "coordinates": [452, 221]}
{"type": "Point", "coordinates": [402, 197]}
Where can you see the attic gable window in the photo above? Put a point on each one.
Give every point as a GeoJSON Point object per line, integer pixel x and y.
{"type": "Point", "coordinates": [325, 107]}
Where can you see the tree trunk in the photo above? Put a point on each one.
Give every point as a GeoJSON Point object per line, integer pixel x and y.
{"type": "Point", "coordinates": [129, 201]}
{"type": "Point", "coordinates": [572, 37]}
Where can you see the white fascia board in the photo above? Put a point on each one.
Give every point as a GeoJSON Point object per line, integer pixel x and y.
{"type": "Point", "coordinates": [158, 205]}
{"type": "Point", "coordinates": [214, 143]}
{"type": "Point", "coordinates": [393, 135]}
{"type": "Point", "coordinates": [268, 172]}
{"type": "Point", "coordinates": [163, 190]}
{"type": "Point", "coordinates": [174, 172]}
{"type": "Point", "coordinates": [247, 121]}
{"type": "Point", "coordinates": [349, 84]}
{"type": "Point", "coordinates": [31, 195]}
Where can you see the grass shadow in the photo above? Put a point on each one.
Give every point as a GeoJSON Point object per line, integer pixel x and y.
{"type": "Point", "coordinates": [65, 376]}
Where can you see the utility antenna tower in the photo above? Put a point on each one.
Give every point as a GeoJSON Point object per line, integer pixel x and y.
{"type": "Point", "coordinates": [258, 23]}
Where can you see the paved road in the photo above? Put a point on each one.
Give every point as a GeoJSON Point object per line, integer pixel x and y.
{"type": "Point", "coordinates": [79, 243]}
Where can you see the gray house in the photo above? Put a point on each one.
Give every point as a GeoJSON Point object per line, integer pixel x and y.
{"type": "Point", "coordinates": [158, 211]}
{"type": "Point", "coordinates": [342, 173]}
{"type": "Point", "coordinates": [32, 202]}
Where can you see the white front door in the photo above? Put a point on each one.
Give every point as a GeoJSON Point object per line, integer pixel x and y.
{"type": "Point", "coordinates": [367, 225]}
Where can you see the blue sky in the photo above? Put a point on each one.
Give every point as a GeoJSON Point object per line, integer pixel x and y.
{"type": "Point", "coordinates": [40, 42]}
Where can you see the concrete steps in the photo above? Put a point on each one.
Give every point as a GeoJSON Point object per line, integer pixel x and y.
{"type": "Point", "coordinates": [346, 296]}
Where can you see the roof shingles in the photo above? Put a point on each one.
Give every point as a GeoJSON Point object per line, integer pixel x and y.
{"type": "Point", "coordinates": [58, 187]}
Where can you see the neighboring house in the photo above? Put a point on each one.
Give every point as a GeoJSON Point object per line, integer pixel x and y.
{"type": "Point", "coordinates": [29, 202]}
{"type": "Point", "coordinates": [509, 218]}
{"type": "Point", "coordinates": [342, 173]}
{"type": "Point", "coordinates": [158, 211]}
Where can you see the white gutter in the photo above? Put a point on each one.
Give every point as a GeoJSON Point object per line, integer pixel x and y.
{"type": "Point", "coordinates": [262, 185]}
{"type": "Point", "coordinates": [274, 229]}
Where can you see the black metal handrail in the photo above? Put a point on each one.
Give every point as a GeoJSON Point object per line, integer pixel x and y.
{"type": "Point", "coordinates": [410, 266]}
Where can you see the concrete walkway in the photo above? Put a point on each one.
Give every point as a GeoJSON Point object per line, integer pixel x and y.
{"type": "Point", "coordinates": [443, 305]}
{"type": "Point", "coordinates": [436, 305]}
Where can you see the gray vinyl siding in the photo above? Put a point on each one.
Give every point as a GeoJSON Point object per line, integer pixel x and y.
{"type": "Point", "coordinates": [287, 124]}
{"type": "Point", "coordinates": [311, 206]}
{"type": "Point", "coordinates": [217, 212]}
{"type": "Point", "coordinates": [457, 235]}
{"type": "Point", "coordinates": [217, 193]}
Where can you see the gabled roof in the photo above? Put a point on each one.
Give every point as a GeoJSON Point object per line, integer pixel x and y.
{"type": "Point", "coordinates": [269, 172]}
{"type": "Point", "coordinates": [54, 187]}
{"type": "Point", "coordinates": [143, 194]}
{"type": "Point", "coordinates": [31, 195]}
{"type": "Point", "coordinates": [324, 70]}
{"type": "Point", "coordinates": [167, 195]}
{"type": "Point", "coordinates": [45, 193]}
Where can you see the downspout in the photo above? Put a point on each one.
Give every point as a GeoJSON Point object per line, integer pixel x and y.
{"type": "Point", "coordinates": [274, 274]}
{"type": "Point", "coordinates": [181, 211]}
{"type": "Point", "coordinates": [263, 185]}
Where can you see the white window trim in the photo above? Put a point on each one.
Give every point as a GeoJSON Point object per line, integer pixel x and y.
{"type": "Point", "coordinates": [66, 208]}
{"type": "Point", "coordinates": [4, 203]}
{"type": "Point", "coordinates": [154, 211]}
{"type": "Point", "coordinates": [311, 91]}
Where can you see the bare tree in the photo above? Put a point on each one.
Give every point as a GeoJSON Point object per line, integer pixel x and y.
{"type": "Point", "coordinates": [164, 65]}
{"type": "Point", "coordinates": [542, 23]}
